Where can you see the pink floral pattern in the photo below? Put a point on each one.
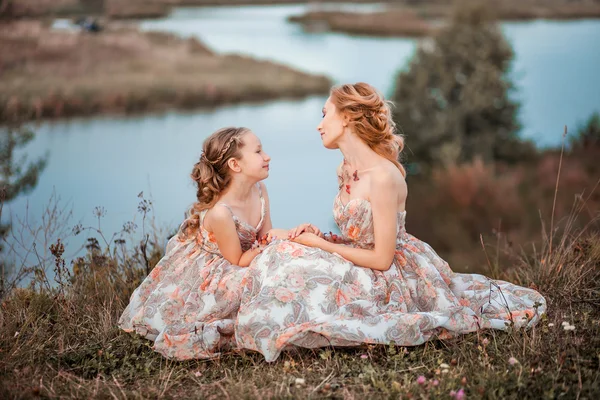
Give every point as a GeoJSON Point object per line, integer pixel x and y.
{"type": "Point", "coordinates": [189, 302]}
{"type": "Point", "coordinates": [294, 295]}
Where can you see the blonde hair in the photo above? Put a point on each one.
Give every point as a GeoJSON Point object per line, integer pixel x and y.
{"type": "Point", "coordinates": [370, 118]}
{"type": "Point", "coordinates": [211, 172]}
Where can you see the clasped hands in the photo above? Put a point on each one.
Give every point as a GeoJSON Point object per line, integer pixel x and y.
{"type": "Point", "coordinates": [306, 234]}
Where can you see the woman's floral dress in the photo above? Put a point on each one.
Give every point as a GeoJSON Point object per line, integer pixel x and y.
{"type": "Point", "coordinates": [295, 295]}
{"type": "Point", "coordinates": [189, 302]}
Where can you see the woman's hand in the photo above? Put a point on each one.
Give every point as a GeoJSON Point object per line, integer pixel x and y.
{"type": "Point", "coordinates": [309, 239]}
{"type": "Point", "coordinates": [295, 232]}
{"type": "Point", "coordinates": [274, 234]}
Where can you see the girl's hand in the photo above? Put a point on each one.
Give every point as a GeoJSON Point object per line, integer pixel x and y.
{"type": "Point", "coordinates": [295, 232]}
{"type": "Point", "coordinates": [275, 234]}
{"type": "Point", "coordinates": [308, 239]}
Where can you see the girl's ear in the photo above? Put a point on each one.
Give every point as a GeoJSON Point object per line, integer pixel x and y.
{"type": "Point", "coordinates": [234, 165]}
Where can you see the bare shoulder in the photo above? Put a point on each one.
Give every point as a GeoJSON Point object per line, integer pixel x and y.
{"type": "Point", "coordinates": [387, 176]}
{"type": "Point", "coordinates": [218, 215]}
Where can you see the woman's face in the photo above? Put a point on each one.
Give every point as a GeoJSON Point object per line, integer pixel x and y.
{"type": "Point", "coordinates": [332, 125]}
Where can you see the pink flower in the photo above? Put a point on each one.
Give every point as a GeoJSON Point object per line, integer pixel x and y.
{"type": "Point", "coordinates": [513, 361]}
{"type": "Point", "coordinates": [298, 252]}
{"type": "Point", "coordinates": [485, 342]}
{"type": "Point", "coordinates": [364, 356]}
{"type": "Point", "coordinates": [421, 380]}
{"type": "Point", "coordinates": [354, 289]}
{"type": "Point", "coordinates": [353, 232]}
{"type": "Point", "coordinates": [435, 382]}
{"type": "Point", "coordinates": [284, 295]}
{"type": "Point", "coordinates": [296, 281]}
{"type": "Point", "coordinates": [284, 246]}
{"type": "Point", "coordinates": [460, 395]}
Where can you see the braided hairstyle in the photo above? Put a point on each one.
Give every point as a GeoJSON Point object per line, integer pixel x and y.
{"type": "Point", "coordinates": [211, 173]}
{"type": "Point", "coordinates": [370, 118]}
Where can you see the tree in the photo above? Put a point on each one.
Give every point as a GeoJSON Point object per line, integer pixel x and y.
{"type": "Point", "coordinates": [453, 100]}
{"type": "Point", "coordinates": [16, 176]}
{"type": "Point", "coordinates": [588, 135]}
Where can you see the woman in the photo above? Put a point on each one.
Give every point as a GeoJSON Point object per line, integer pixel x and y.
{"type": "Point", "coordinates": [376, 283]}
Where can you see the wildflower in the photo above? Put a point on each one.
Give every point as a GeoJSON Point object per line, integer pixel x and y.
{"type": "Point", "coordinates": [513, 361]}
{"type": "Point", "coordinates": [435, 382]}
{"type": "Point", "coordinates": [300, 381]}
{"type": "Point", "coordinates": [550, 325]}
{"type": "Point", "coordinates": [569, 327]}
{"type": "Point", "coordinates": [444, 366]}
{"type": "Point", "coordinates": [460, 395]}
{"type": "Point", "coordinates": [197, 374]}
{"type": "Point", "coordinates": [421, 380]}
{"type": "Point", "coordinates": [364, 356]}
{"type": "Point", "coordinates": [485, 342]}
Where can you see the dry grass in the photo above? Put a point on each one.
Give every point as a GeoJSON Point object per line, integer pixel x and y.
{"type": "Point", "coordinates": [121, 70]}
{"type": "Point", "coordinates": [136, 9]}
{"type": "Point", "coordinates": [403, 22]}
{"type": "Point", "coordinates": [34, 8]}
{"type": "Point", "coordinates": [115, 9]}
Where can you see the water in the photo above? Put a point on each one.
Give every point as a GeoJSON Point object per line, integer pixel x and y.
{"type": "Point", "coordinates": [107, 161]}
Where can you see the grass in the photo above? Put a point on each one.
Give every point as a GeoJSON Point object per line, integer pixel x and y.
{"type": "Point", "coordinates": [67, 345]}
{"type": "Point", "coordinates": [60, 339]}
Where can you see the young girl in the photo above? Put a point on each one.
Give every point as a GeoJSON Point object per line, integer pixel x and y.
{"type": "Point", "coordinates": [189, 302]}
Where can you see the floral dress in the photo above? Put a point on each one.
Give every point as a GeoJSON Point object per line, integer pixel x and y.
{"type": "Point", "coordinates": [295, 295]}
{"type": "Point", "coordinates": [189, 302]}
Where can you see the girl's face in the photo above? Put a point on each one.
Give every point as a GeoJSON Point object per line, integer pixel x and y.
{"type": "Point", "coordinates": [254, 162]}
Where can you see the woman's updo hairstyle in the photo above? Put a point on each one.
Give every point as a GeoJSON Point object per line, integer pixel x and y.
{"type": "Point", "coordinates": [370, 117]}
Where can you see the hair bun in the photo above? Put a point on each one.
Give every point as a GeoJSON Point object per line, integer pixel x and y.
{"type": "Point", "coordinates": [370, 118]}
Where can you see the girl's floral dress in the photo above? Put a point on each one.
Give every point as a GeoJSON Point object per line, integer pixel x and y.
{"type": "Point", "coordinates": [189, 302]}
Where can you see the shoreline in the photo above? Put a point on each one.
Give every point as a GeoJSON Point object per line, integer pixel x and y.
{"type": "Point", "coordinates": [122, 70]}
{"type": "Point", "coordinates": [423, 20]}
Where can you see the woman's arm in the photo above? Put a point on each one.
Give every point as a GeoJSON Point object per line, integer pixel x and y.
{"type": "Point", "coordinates": [220, 222]}
{"type": "Point", "coordinates": [385, 189]}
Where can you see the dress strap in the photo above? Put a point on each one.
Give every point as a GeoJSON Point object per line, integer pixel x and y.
{"type": "Point", "coordinates": [263, 207]}
{"type": "Point", "coordinates": [227, 207]}
{"type": "Point", "coordinates": [202, 215]}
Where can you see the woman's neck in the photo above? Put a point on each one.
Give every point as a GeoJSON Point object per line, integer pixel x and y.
{"type": "Point", "coordinates": [356, 152]}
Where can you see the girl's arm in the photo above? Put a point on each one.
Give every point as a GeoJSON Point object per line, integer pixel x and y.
{"type": "Point", "coordinates": [385, 191]}
{"type": "Point", "coordinates": [220, 222]}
